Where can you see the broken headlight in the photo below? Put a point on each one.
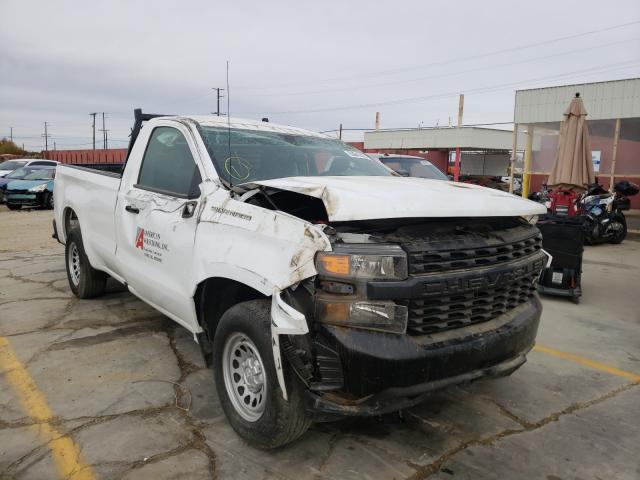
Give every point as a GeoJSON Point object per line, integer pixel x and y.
{"type": "Point", "coordinates": [363, 262]}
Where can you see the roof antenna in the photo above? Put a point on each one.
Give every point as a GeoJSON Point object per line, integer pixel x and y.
{"type": "Point", "coordinates": [229, 129]}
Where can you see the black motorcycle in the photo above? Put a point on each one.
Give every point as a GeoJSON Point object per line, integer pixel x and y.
{"type": "Point", "coordinates": [601, 210]}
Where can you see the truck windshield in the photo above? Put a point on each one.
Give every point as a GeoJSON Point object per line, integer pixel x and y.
{"type": "Point", "coordinates": [253, 155]}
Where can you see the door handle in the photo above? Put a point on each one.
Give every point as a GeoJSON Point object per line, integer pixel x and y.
{"type": "Point", "coordinates": [132, 209]}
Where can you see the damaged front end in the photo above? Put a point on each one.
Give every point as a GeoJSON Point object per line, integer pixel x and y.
{"type": "Point", "coordinates": [400, 308]}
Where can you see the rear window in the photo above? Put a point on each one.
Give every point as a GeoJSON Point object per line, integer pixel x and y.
{"type": "Point", "coordinates": [12, 164]}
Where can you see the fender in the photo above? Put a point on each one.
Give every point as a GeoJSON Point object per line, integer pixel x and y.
{"type": "Point", "coordinates": [266, 250]}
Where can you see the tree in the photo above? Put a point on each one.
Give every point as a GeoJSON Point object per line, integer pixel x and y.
{"type": "Point", "coordinates": [7, 146]}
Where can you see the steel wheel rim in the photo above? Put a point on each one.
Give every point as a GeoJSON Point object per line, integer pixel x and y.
{"type": "Point", "coordinates": [74, 264]}
{"type": "Point", "coordinates": [244, 377]}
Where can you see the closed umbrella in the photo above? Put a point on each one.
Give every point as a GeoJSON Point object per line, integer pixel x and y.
{"type": "Point", "coordinates": [573, 167]}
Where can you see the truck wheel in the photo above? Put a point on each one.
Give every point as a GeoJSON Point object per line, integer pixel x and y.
{"type": "Point", "coordinates": [84, 280]}
{"type": "Point", "coordinates": [246, 382]}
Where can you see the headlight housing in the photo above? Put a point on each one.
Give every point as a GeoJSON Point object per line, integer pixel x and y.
{"type": "Point", "coordinates": [363, 262]}
{"type": "Point", "coordinates": [38, 188]}
{"type": "Point", "coordinates": [344, 274]}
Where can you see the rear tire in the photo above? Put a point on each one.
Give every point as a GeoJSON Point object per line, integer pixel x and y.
{"type": "Point", "coordinates": [13, 206]}
{"type": "Point", "coordinates": [84, 280]}
{"type": "Point", "coordinates": [622, 233]}
{"type": "Point", "coordinates": [253, 401]}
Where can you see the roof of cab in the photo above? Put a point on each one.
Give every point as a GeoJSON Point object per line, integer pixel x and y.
{"type": "Point", "coordinates": [246, 124]}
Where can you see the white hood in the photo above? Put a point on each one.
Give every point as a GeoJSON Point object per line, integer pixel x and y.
{"type": "Point", "coordinates": [365, 198]}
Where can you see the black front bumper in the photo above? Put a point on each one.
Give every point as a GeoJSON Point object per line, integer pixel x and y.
{"type": "Point", "coordinates": [385, 372]}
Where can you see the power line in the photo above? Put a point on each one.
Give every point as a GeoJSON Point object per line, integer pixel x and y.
{"type": "Point", "coordinates": [486, 89]}
{"type": "Point", "coordinates": [440, 75]}
{"type": "Point", "coordinates": [465, 58]}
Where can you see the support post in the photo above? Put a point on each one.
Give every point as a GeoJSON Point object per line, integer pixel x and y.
{"type": "Point", "coordinates": [377, 120]}
{"type": "Point", "coordinates": [514, 156]}
{"type": "Point", "coordinates": [456, 168]}
{"type": "Point", "coordinates": [614, 155]}
{"type": "Point", "coordinates": [340, 132]}
{"type": "Point", "coordinates": [526, 175]}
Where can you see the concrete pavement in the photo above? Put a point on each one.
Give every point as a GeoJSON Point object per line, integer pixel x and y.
{"type": "Point", "coordinates": [114, 389]}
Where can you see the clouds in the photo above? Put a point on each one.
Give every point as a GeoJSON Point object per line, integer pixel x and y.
{"type": "Point", "coordinates": [59, 61]}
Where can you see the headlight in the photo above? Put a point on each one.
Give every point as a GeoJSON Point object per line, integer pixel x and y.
{"type": "Point", "coordinates": [38, 188]}
{"type": "Point", "coordinates": [344, 274]}
{"type": "Point", "coordinates": [363, 262]}
{"type": "Point", "coordinates": [382, 316]}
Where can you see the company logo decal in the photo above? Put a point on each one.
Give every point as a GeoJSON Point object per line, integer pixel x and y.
{"type": "Point", "coordinates": [151, 244]}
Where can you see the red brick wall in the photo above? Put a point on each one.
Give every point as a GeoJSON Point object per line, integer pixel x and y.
{"type": "Point", "coordinates": [78, 157]}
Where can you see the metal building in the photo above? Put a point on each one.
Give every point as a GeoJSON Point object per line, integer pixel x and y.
{"type": "Point", "coordinates": [613, 119]}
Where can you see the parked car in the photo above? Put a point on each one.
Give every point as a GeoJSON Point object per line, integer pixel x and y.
{"type": "Point", "coordinates": [410, 166]}
{"type": "Point", "coordinates": [318, 283]}
{"type": "Point", "coordinates": [34, 190]}
{"type": "Point", "coordinates": [10, 165]}
{"type": "Point", "coordinates": [17, 174]}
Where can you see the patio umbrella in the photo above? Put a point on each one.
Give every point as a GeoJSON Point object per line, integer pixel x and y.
{"type": "Point", "coordinates": [573, 167]}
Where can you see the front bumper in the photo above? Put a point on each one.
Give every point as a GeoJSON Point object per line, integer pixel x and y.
{"type": "Point", "coordinates": [386, 372]}
{"type": "Point", "coordinates": [25, 199]}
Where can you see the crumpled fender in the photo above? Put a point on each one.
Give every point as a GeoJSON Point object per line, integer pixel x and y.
{"type": "Point", "coordinates": [264, 249]}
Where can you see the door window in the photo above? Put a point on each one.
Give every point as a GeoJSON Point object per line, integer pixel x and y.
{"type": "Point", "coordinates": [168, 166]}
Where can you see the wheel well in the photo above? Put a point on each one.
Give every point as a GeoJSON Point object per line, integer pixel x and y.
{"type": "Point", "coordinates": [70, 220]}
{"type": "Point", "coordinates": [215, 296]}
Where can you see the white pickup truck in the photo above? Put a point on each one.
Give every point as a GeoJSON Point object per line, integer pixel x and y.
{"type": "Point", "coordinates": [317, 282]}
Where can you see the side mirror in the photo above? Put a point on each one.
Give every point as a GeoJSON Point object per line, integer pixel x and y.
{"type": "Point", "coordinates": [403, 173]}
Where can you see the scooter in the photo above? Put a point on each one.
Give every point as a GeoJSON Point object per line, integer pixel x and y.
{"type": "Point", "coordinates": [602, 212]}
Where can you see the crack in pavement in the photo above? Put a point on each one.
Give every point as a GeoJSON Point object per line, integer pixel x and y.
{"type": "Point", "coordinates": [423, 472]}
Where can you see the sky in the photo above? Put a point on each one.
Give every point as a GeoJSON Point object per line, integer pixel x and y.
{"type": "Point", "coordinates": [314, 65]}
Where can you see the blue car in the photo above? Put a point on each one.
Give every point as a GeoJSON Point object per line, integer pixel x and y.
{"type": "Point", "coordinates": [34, 190]}
{"type": "Point", "coordinates": [17, 174]}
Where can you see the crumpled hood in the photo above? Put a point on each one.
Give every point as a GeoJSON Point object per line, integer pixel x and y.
{"type": "Point", "coordinates": [366, 198]}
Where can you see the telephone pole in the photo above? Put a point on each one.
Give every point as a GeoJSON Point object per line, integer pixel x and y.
{"type": "Point", "coordinates": [46, 137]}
{"type": "Point", "coordinates": [105, 139]}
{"type": "Point", "coordinates": [11, 134]}
{"type": "Point", "coordinates": [218, 90]}
{"type": "Point", "coordinates": [93, 126]}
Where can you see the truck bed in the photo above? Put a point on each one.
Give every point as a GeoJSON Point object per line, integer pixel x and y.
{"type": "Point", "coordinates": [92, 195]}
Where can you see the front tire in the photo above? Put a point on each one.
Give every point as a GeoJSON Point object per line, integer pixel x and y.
{"type": "Point", "coordinates": [48, 201]}
{"type": "Point", "coordinates": [84, 280]}
{"type": "Point", "coordinates": [246, 381]}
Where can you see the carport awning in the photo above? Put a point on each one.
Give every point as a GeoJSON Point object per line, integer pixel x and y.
{"type": "Point", "coordinates": [469, 138]}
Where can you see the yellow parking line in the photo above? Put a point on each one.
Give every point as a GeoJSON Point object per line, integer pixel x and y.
{"type": "Point", "coordinates": [66, 453]}
{"type": "Point", "coordinates": [587, 363]}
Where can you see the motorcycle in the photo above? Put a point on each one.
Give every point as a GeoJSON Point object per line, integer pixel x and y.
{"type": "Point", "coordinates": [601, 210]}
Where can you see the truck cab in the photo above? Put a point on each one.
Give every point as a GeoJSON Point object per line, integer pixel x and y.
{"type": "Point", "coordinates": [318, 283]}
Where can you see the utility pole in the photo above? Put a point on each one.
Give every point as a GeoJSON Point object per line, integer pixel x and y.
{"type": "Point", "coordinates": [104, 133]}
{"type": "Point", "coordinates": [93, 126]}
{"type": "Point", "coordinates": [54, 146]}
{"type": "Point", "coordinates": [456, 168]}
{"type": "Point", "coordinates": [218, 96]}
{"type": "Point", "coordinates": [46, 137]}
{"type": "Point", "coordinates": [11, 134]}
{"type": "Point", "coordinates": [340, 132]}
{"type": "Point", "coordinates": [377, 120]}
